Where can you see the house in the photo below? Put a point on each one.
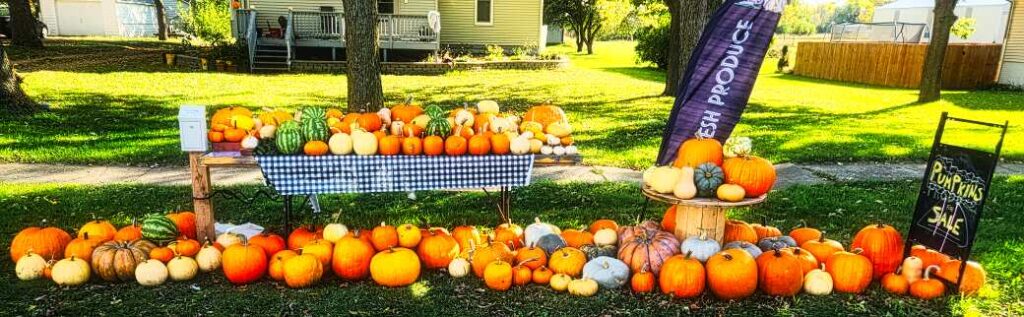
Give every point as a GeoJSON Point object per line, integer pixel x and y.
{"type": "Point", "coordinates": [279, 31]}
{"type": "Point", "coordinates": [1012, 69]}
{"type": "Point", "coordinates": [103, 17]}
{"type": "Point", "coordinates": [990, 17]}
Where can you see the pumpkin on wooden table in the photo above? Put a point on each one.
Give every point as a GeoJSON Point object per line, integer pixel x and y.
{"type": "Point", "coordinates": [115, 261]}
{"type": "Point", "coordinates": [696, 151]}
{"type": "Point", "coordinates": [99, 230]}
{"type": "Point", "coordinates": [974, 275]}
{"type": "Point", "coordinates": [682, 276]}
{"type": "Point", "coordinates": [395, 267]}
{"type": "Point", "coordinates": [437, 249]}
{"type": "Point", "coordinates": [779, 273]}
{"type": "Point", "coordinates": [851, 272]}
{"type": "Point", "coordinates": [186, 223]}
{"type": "Point", "coordinates": [456, 145]}
{"type": "Point", "coordinates": [545, 114]}
{"type": "Point", "coordinates": [756, 175]}
{"type": "Point", "coordinates": [501, 143]}
{"type": "Point", "coordinates": [351, 257]}
{"type": "Point", "coordinates": [732, 274]}
{"type": "Point", "coordinates": [406, 111]}
{"type": "Point", "coordinates": [928, 288]}
{"type": "Point", "coordinates": [479, 144]}
{"type": "Point", "coordinates": [668, 222]}
{"type": "Point", "coordinates": [303, 235]}
{"type": "Point", "coordinates": [646, 245]}
{"type": "Point", "coordinates": [243, 263]}
{"type": "Point", "coordinates": [707, 177]}
{"type": "Point", "coordinates": [269, 242]}
{"type": "Point", "coordinates": [883, 245]}
{"type": "Point", "coordinates": [275, 269]}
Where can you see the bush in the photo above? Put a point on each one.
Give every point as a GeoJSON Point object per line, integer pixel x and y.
{"type": "Point", "coordinates": [652, 45]}
{"type": "Point", "coordinates": [208, 20]}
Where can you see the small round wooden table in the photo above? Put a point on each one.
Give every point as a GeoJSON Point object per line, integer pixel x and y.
{"type": "Point", "coordinates": [700, 214]}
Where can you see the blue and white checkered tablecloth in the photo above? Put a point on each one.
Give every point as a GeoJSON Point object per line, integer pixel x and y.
{"type": "Point", "coordinates": [303, 175]}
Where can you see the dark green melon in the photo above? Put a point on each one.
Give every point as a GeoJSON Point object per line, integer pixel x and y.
{"type": "Point", "coordinates": [314, 124]}
{"type": "Point", "coordinates": [708, 177]}
{"type": "Point", "coordinates": [288, 138]}
{"type": "Point", "coordinates": [159, 228]}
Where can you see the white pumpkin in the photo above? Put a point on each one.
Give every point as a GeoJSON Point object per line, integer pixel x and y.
{"type": "Point", "coordinates": [487, 106]}
{"type": "Point", "coordinates": [700, 247]}
{"type": "Point", "coordinates": [208, 258]}
{"type": "Point", "coordinates": [535, 146]}
{"type": "Point", "coordinates": [737, 146]}
{"type": "Point", "coordinates": [526, 135]}
{"type": "Point", "coordinates": [464, 117]}
{"type": "Point", "coordinates": [421, 121]}
{"type": "Point", "coordinates": [571, 150]}
{"type": "Point", "coordinates": [583, 287]}
{"type": "Point", "coordinates": [499, 125]}
{"type": "Point", "coordinates": [538, 229]}
{"type": "Point", "coordinates": [607, 272]}
{"type": "Point", "coordinates": [552, 140]}
{"type": "Point", "coordinates": [606, 236]}
{"type": "Point", "coordinates": [30, 266]}
{"type": "Point", "coordinates": [70, 272]}
{"type": "Point", "coordinates": [546, 150]}
{"type": "Point", "coordinates": [268, 131]}
{"type": "Point", "coordinates": [364, 143]}
{"type": "Point", "coordinates": [559, 129]}
{"type": "Point", "coordinates": [340, 144]}
{"type": "Point", "coordinates": [385, 116]}
{"type": "Point", "coordinates": [182, 268]}
{"type": "Point", "coordinates": [229, 238]}
{"type": "Point", "coordinates": [250, 142]}
{"type": "Point", "coordinates": [818, 282]}
{"type": "Point", "coordinates": [458, 267]}
{"type": "Point", "coordinates": [334, 232]}
{"type": "Point", "coordinates": [912, 268]}
{"type": "Point", "coordinates": [152, 272]}
{"type": "Point", "coordinates": [558, 150]}
{"type": "Point", "coordinates": [663, 179]}
{"type": "Point", "coordinates": [519, 146]}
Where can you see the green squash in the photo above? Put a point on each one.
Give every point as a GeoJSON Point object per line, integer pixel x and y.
{"type": "Point", "coordinates": [550, 243]}
{"type": "Point", "coordinates": [594, 251]}
{"type": "Point", "coordinates": [289, 138]}
{"type": "Point", "coordinates": [708, 177]}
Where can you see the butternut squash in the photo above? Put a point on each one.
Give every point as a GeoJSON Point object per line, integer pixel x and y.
{"type": "Point", "coordinates": [685, 189]}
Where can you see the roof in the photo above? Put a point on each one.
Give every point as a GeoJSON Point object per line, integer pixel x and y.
{"type": "Point", "coordinates": [908, 4]}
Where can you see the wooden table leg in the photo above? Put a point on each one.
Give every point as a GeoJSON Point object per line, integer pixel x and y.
{"type": "Point", "coordinates": [692, 220]}
{"type": "Point", "coordinates": [201, 197]}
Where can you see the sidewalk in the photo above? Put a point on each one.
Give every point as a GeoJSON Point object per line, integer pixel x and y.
{"type": "Point", "coordinates": [788, 174]}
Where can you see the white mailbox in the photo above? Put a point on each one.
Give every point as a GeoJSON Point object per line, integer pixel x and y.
{"type": "Point", "coordinates": [192, 127]}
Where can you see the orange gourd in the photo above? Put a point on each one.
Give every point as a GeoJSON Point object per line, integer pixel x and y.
{"type": "Point", "coordinates": [481, 256]}
{"type": "Point", "coordinates": [269, 242]}
{"type": "Point", "coordinates": [668, 222]}
{"type": "Point", "coordinates": [315, 148]}
{"type": "Point", "coordinates": [467, 236]}
{"type": "Point", "coordinates": [188, 247]}
{"type": "Point", "coordinates": [804, 234]}
{"type": "Point", "coordinates": [545, 114]}
{"type": "Point", "coordinates": [98, 230]}
{"type": "Point", "coordinates": [766, 231]}
{"type": "Point", "coordinates": [433, 145]}
{"type": "Point", "coordinates": [779, 273]}
{"type": "Point", "coordinates": [697, 151]}
{"type": "Point", "coordinates": [390, 145]}
{"type": "Point", "coordinates": [643, 281]}
{"type": "Point", "coordinates": [756, 175]}
{"type": "Point", "coordinates": [384, 237]}
{"type": "Point", "coordinates": [508, 236]}
{"type": "Point", "coordinates": [531, 257]}
{"type": "Point", "coordinates": [599, 224]}
{"type": "Point", "coordinates": [542, 275]}
{"type": "Point", "coordinates": [895, 283]}
{"type": "Point", "coordinates": [927, 288]}
{"type": "Point", "coordinates": [928, 256]}
{"type": "Point", "coordinates": [234, 135]}
{"type": "Point", "coordinates": [568, 261]}
{"type": "Point", "coordinates": [682, 277]}
{"type": "Point", "coordinates": [243, 263]}
{"type": "Point", "coordinates": [479, 144]}
{"type": "Point", "coordinates": [822, 248]}
{"type": "Point", "coordinates": [883, 245]}
{"type": "Point", "coordinates": [81, 247]}
{"type": "Point", "coordinates": [303, 235]}
{"type": "Point", "coordinates": [521, 275]}
{"type": "Point", "coordinates": [974, 275]}
{"type": "Point", "coordinates": [455, 145]}
{"type": "Point", "coordinates": [736, 230]}
{"type": "Point", "coordinates": [577, 238]}
{"type": "Point", "coordinates": [351, 257]}
{"type": "Point", "coordinates": [369, 121]}
{"type": "Point", "coordinates": [129, 233]}
{"type": "Point", "coordinates": [215, 136]}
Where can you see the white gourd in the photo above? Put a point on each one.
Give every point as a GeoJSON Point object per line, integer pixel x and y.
{"type": "Point", "coordinates": [520, 146]}
{"type": "Point", "coordinates": [571, 150]}
{"type": "Point", "coordinates": [30, 266]}
{"type": "Point", "coordinates": [340, 144]}
{"type": "Point", "coordinates": [546, 150]}
{"type": "Point", "coordinates": [208, 258]}
{"type": "Point", "coordinates": [737, 146]}
{"type": "Point", "coordinates": [558, 150]}
{"type": "Point", "coordinates": [458, 267]}
{"type": "Point", "coordinates": [552, 140]}
{"type": "Point", "coordinates": [607, 272]}
{"type": "Point", "coordinates": [606, 236]}
{"type": "Point", "coordinates": [487, 106]}
{"type": "Point", "coordinates": [268, 131]}
{"type": "Point", "coordinates": [464, 118]}
{"type": "Point", "coordinates": [250, 142]}
{"type": "Point", "coordinates": [535, 146]}
{"type": "Point", "coordinates": [818, 282]}
{"type": "Point", "coordinates": [152, 272]}
{"type": "Point", "coordinates": [334, 232]}
{"type": "Point", "coordinates": [583, 287]}
{"type": "Point", "coordinates": [229, 238]}
{"type": "Point", "coordinates": [71, 272]}
{"type": "Point", "coordinates": [538, 229]}
{"type": "Point", "coordinates": [912, 268]}
{"type": "Point", "coordinates": [182, 268]}
{"type": "Point", "coordinates": [685, 188]}
{"type": "Point", "coordinates": [364, 143]}
{"type": "Point", "coordinates": [663, 179]}
{"type": "Point", "coordinates": [396, 128]}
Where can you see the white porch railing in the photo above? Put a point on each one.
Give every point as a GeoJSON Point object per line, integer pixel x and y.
{"type": "Point", "coordinates": [318, 25]}
{"type": "Point", "coordinates": [331, 26]}
{"type": "Point", "coordinates": [400, 27]}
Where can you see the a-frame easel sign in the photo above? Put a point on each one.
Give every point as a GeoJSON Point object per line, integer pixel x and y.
{"type": "Point", "coordinates": [955, 185]}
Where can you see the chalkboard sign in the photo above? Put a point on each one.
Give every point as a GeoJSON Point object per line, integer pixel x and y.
{"type": "Point", "coordinates": [953, 192]}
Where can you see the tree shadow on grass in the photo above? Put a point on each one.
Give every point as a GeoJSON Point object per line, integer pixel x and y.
{"type": "Point", "coordinates": [641, 73]}
{"type": "Point", "coordinates": [987, 100]}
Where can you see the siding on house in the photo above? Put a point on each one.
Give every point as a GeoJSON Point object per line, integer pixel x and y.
{"type": "Point", "coordinates": [1012, 72]}
{"type": "Point", "coordinates": [137, 18]}
{"type": "Point", "coordinates": [269, 10]}
{"type": "Point", "coordinates": [514, 23]}
{"type": "Point", "coordinates": [416, 7]}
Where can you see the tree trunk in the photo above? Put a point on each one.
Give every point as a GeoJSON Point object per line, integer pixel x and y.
{"type": "Point", "coordinates": [579, 39]}
{"type": "Point", "coordinates": [12, 98]}
{"type": "Point", "coordinates": [23, 25]}
{"type": "Point", "coordinates": [161, 20]}
{"type": "Point", "coordinates": [931, 75]}
{"type": "Point", "coordinates": [364, 87]}
{"type": "Point", "coordinates": [672, 59]}
{"type": "Point", "coordinates": [693, 15]}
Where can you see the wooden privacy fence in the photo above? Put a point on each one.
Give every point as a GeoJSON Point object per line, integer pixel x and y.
{"type": "Point", "coordinates": [967, 66]}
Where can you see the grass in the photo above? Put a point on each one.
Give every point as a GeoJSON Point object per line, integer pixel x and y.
{"type": "Point", "coordinates": [113, 103]}
{"type": "Point", "coordinates": [839, 209]}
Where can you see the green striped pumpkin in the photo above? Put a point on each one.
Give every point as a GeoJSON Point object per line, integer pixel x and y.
{"type": "Point", "coordinates": [159, 228]}
{"type": "Point", "coordinates": [288, 138]}
{"type": "Point", "coordinates": [314, 124]}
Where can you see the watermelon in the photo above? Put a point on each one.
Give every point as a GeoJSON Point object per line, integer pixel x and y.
{"type": "Point", "coordinates": [289, 138]}
{"type": "Point", "coordinates": [159, 228]}
{"type": "Point", "coordinates": [314, 124]}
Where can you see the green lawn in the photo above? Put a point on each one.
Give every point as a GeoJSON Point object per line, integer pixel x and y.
{"type": "Point", "coordinates": [113, 103]}
{"type": "Point", "coordinates": [838, 209]}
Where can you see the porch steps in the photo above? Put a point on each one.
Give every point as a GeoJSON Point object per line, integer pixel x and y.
{"type": "Point", "coordinates": [270, 59]}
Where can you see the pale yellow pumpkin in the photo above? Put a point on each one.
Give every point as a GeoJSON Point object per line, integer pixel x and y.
{"type": "Point", "coordinates": [71, 272]}
{"type": "Point", "coordinates": [152, 272]}
{"type": "Point", "coordinates": [560, 282]}
{"type": "Point", "coordinates": [731, 192]}
{"type": "Point", "coordinates": [182, 268]}
{"type": "Point", "coordinates": [663, 179]}
{"type": "Point", "coordinates": [583, 287]}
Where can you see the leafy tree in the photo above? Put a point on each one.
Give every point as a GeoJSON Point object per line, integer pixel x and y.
{"type": "Point", "coordinates": [209, 20]}
{"type": "Point", "coordinates": [585, 18]}
{"type": "Point", "coordinates": [963, 28]}
{"type": "Point", "coordinates": [796, 19]}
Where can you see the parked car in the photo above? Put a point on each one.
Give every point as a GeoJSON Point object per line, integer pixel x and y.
{"type": "Point", "coordinates": [5, 23]}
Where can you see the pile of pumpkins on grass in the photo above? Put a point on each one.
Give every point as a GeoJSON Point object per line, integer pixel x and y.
{"type": "Point", "coordinates": [705, 168]}
{"type": "Point", "coordinates": [642, 257]}
{"type": "Point", "coordinates": [403, 129]}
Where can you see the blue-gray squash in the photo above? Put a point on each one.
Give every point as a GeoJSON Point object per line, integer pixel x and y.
{"type": "Point", "coordinates": [708, 177]}
{"type": "Point", "coordinates": [752, 249]}
{"type": "Point", "coordinates": [779, 242]}
{"type": "Point", "coordinates": [607, 271]}
{"type": "Point", "coordinates": [550, 243]}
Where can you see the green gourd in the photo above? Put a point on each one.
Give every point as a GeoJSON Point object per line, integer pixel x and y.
{"type": "Point", "coordinates": [685, 189]}
{"type": "Point", "coordinates": [707, 178]}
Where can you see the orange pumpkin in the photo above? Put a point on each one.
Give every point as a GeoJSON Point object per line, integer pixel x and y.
{"type": "Point", "coordinates": [668, 222]}
{"type": "Point", "coordinates": [737, 230]}
{"type": "Point", "coordinates": [697, 151]}
{"type": "Point", "coordinates": [804, 234]}
{"type": "Point", "coordinates": [81, 247]}
{"type": "Point", "coordinates": [390, 145]}
{"type": "Point", "coordinates": [498, 275]}
{"type": "Point", "coordinates": [508, 237]}
{"type": "Point", "coordinates": [732, 274]}
{"type": "Point", "coordinates": [303, 235]}
{"type": "Point", "coordinates": [433, 145]}
{"type": "Point", "coordinates": [384, 237]}
{"type": "Point", "coordinates": [542, 275]}
{"type": "Point", "coordinates": [765, 231]}
{"type": "Point", "coordinates": [234, 135]}
{"type": "Point", "coordinates": [927, 288]}
{"type": "Point", "coordinates": [369, 121]}
{"type": "Point", "coordinates": [322, 249]}
{"type": "Point", "coordinates": [269, 242]}
{"type": "Point", "coordinates": [779, 273]}
{"type": "Point", "coordinates": [928, 256]}
{"type": "Point", "coordinates": [545, 114]}
{"type": "Point", "coordinates": [883, 245]}
{"type": "Point", "coordinates": [99, 230]}
{"type": "Point", "coordinates": [521, 275]}
{"type": "Point", "coordinates": [188, 247]}
{"type": "Point", "coordinates": [500, 144]}
{"type": "Point", "coordinates": [532, 257]}
{"type": "Point", "coordinates": [215, 136]}
{"type": "Point", "coordinates": [603, 224]}
{"type": "Point", "coordinates": [577, 238]}
{"type": "Point", "coordinates": [682, 277]}
{"type": "Point", "coordinates": [479, 144]}
{"type": "Point", "coordinates": [405, 112]}
{"type": "Point", "coordinates": [163, 254]}
{"type": "Point", "coordinates": [351, 257]}
{"type": "Point", "coordinates": [643, 281]}
{"type": "Point", "coordinates": [276, 267]}
{"type": "Point", "coordinates": [851, 272]}
{"type": "Point", "coordinates": [822, 248]}
{"type": "Point", "coordinates": [335, 113]}
{"type": "Point", "coordinates": [463, 131]}
{"type": "Point", "coordinates": [129, 233]}
{"type": "Point", "coordinates": [482, 255]}
{"type": "Point", "coordinates": [568, 261]}
{"type": "Point", "coordinates": [395, 267]}
{"type": "Point", "coordinates": [412, 145]}
{"type": "Point", "coordinates": [482, 121]}
{"type": "Point", "coordinates": [48, 242]}
{"type": "Point", "coordinates": [437, 249]}
{"type": "Point", "coordinates": [315, 148]}
{"type": "Point", "coordinates": [895, 283]}
{"type": "Point", "coordinates": [467, 236]}
{"type": "Point", "coordinates": [974, 275]}
{"type": "Point", "coordinates": [186, 223]}
{"type": "Point", "coordinates": [348, 121]}
{"type": "Point", "coordinates": [455, 145]}
{"type": "Point", "coordinates": [807, 260]}
{"type": "Point", "coordinates": [756, 175]}
{"type": "Point", "coordinates": [243, 263]}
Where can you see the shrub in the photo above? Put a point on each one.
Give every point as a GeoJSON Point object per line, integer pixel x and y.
{"type": "Point", "coordinates": [652, 45]}
{"type": "Point", "coordinates": [495, 53]}
{"type": "Point", "coordinates": [208, 20]}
